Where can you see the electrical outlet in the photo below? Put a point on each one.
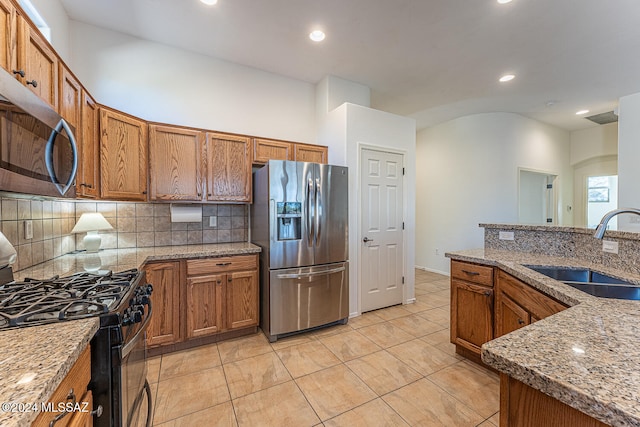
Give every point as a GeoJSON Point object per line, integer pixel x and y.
{"type": "Point", "coordinates": [28, 229]}
{"type": "Point", "coordinates": [610, 246]}
{"type": "Point", "coordinates": [213, 221]}
{"type": "Point", "coordinates": [506, 235]}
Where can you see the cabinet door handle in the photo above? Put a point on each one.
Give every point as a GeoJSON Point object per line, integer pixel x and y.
{"type": "Point", "coordinates": [86, 185]}
{"type": "Point", "coordinates": [471, 273]}
{"type": "Point", "coordinates": [19, 72]}
{"type": "Point", "coordinates": [72, 397]}
{"type": "Point", "coordinates": [32, 83]}
{"type": "Point", "coordinates": [223, 264]}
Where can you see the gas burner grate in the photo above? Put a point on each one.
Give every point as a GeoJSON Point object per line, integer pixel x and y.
{"type": "Point", "coordinates": [33, 302]}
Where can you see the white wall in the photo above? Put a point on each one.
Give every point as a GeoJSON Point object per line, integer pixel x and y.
{"type": "Point", "coordinates": [345, 130]}
{"type": "Point", "coordinates": [597, 141]}
{"type": "Point", "coordinates": [56, 18]}
{"type": "Point", "coordinates": [629, 159]}
{"type": "Point", "coordinates": [160, 83]}
{"type": "Point", "coordinates": [468, 174]}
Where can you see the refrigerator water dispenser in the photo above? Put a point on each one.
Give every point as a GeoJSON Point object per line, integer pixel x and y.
{"type": "Point", "coordinates": [289, 220]}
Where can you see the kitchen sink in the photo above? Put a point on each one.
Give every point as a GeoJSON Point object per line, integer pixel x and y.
{"type": "Point", "coordinates": [591, 282]}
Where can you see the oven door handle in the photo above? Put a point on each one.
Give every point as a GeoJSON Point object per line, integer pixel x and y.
{"type": "Point", "coordinates": [126, 349]}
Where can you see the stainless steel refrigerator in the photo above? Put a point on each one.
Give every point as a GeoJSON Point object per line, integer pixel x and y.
{"type": "Point", "coordinates": [299, 218]}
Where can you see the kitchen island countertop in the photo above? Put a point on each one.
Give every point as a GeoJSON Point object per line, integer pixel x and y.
{"type": "Point", "coordinates": [47, 352]}
{"type": "Point", "coordinates": [586, 356]}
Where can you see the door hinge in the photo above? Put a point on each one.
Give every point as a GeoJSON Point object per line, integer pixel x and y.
{"type": "Point", "coordinates": [402, 171]}
{"type": "Point", "coordinates": [549, 186]}
{"type": "Point", "coordinates": [403, 280]}
{"type": "Point", "coordinates": [403, 225]}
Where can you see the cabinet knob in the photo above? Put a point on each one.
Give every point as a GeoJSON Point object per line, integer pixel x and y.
{"type": "Point", "coordinates": [230, 280]}
{"type": "Point", "coordinates": [32, 83]}
{"type": "Point", "coordinates": [19, 72]}
{"type": "Point", "coordinates": [144, 192]}
{"type": "Point", "coordinates": [487, 293]}
{"type": "Point", "coordinates": [219, 281]}
{"type": "Point", "coordinates": [98, 411]}
{"type": "Point", "coordinates": [520, 322]}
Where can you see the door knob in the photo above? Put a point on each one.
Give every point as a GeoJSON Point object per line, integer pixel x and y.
{"type": "Point", "coordinates": [366, 239]}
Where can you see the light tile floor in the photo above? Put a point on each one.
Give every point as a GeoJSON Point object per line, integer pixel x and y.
{"type": "Point", "coordinates": [390, 367]}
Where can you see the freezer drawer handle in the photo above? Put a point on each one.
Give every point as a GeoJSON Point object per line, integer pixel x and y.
{"type": "Point", "coordinates": [223, 264]}
{"type": "Point", "coordinates": [317, 273]}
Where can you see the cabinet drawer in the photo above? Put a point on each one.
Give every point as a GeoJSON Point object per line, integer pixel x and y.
{"type": "Point", "coordinates": [77, 381]}
{"type": "Point", "coordinates": [480, 274]}
{"type": "Point", "coordinates": [221, 265]}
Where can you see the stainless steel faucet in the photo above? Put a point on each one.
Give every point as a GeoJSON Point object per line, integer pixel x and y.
{"type": "Point", "coordinates": [602, 227]}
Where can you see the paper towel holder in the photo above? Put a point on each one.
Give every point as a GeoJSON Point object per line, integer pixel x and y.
{"type": "Point", "coordinates": [185, 212]}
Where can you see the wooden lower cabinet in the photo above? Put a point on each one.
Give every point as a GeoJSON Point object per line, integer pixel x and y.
{"type": "Point", "coordinates": [471, 307]}
{"type": "Point", "coordinates": [199, 298]}
{"type": "Point", "coordinates": [472, 315]}
{"type": "Point", "coordinates": [518, 304]}
{"type": "Point", "coordinates": [228, 292]}
{"type": "Point", "coordinates": [524, 406]}
{"type": "Point", "coordinates": [204, 305]}
{"type": "Point", "coordinates": [165, 278]}
{"type": "Point", "coordinates": [73, 388]}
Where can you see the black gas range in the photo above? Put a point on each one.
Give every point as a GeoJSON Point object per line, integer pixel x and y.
{"type": "Point", "coordinates": [118, 351]}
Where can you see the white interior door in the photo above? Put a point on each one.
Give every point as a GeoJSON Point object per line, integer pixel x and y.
{"type": "Point", "coordinates": [381, 234]}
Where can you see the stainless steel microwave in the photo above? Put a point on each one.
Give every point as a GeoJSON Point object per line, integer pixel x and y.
{"type": "Point", "coordinates": [38, 152]}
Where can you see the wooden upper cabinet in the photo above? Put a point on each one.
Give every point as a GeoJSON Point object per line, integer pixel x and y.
{"type": "Point", "coordinates": [8, 59]}
{"type": "Point", "coordinates": [123, 156]}
{"type": "Point", "coordinates": [87, 182]}
{"type": "Point", "coordinates": [228, 168]}
{"type": "Point", "coordinates": [269, 149]}
{"type": "Point", "coordinates": [311, 153]}
{"type": "Point", "coordinates": [39, 63]}
{"type": "Point", "coordinates": [175, 163]}
{"type": "Point", "coordinates": [70, 97]}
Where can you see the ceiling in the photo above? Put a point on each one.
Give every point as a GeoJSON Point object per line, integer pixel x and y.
{"type": "Point", "coordinates": [433, 60]}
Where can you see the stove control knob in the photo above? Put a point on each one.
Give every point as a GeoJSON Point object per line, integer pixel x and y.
{"type": "Point", "coordinates": [143, 299]}
{"type": "Point", "coordinates": [126, 317]}
{"type": "Point", "coordinates": [139, 308]}
{"type": "Point", "coordinates": [136, 316]}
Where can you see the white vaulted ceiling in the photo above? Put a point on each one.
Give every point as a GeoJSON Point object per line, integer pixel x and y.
{"type": "Point", "coordinates": [433, 60]}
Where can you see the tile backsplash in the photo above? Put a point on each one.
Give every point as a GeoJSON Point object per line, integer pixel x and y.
{"type": "Point", "coordinates": [134, 225]}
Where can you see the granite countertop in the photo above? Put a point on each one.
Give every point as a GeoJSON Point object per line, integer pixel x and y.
{"type": "Point", "coordinates": [586, 356]}
{"type": "Point", "coordinates": [124, 259]}
{"type": "Point", "coordinates": [34, 361]}
{"type": "Point", "coordinates": [48, 352]}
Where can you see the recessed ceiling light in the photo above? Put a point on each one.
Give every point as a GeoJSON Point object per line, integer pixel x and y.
{"type": "Point", "coordinates": [209, 2]}
{"type": "Point", "coordinates": [504, 1]}
{"type": "Point", "coordinates": [581, 112]}
{"type": "Point", "coordinates": [507, 78]}
{"type": "Point", "coordinates": [317, 35]}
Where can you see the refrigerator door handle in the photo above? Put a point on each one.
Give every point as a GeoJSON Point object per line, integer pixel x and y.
{"type": "Point", "coordinates": [318, 210]}
{"type": "Point", "coordinates": [317, 273]}
{"type": "Point", "coordinates": [310, 216]}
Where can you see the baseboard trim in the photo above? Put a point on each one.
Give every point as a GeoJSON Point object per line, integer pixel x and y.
{"type": "Point", "coordinates": [432, 270]}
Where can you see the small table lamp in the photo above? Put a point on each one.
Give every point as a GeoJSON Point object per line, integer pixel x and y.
{"type": "Point", "coordinates": [91, 223]}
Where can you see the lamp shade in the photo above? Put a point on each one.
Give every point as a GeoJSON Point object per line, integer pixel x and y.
{"type": "Point", "coordinates": [8, 253]}
{"type": "Point", "coordinates": [92, 221]}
